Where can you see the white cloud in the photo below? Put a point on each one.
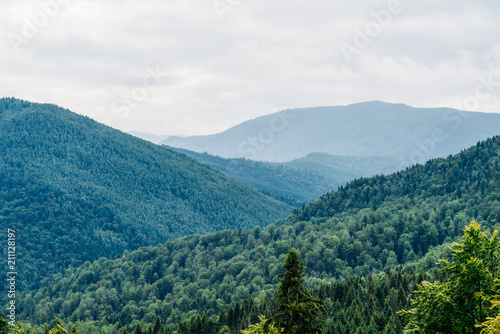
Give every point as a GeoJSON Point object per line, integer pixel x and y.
{"type": "Point", "coordinates": [262, 57]}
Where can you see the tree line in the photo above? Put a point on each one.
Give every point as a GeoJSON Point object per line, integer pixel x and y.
{"type": "Point", "coordinates": [463, 297]}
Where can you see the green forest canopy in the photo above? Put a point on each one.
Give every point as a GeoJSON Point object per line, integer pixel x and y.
{"type": "Point", "coordinates": [77, 190]}
{"type": "Point", "coordinates": [367, 226]}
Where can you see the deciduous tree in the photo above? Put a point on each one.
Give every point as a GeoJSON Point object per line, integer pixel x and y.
{"type": "Point", "coordinates": [463, 303]}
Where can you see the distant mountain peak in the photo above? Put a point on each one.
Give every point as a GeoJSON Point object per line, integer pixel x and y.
{"type": "Point", "coordinates": [373, 128]}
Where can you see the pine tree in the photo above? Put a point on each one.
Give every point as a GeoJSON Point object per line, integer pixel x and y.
{"type": "Point", "coordinates": [297, 309]}
{"type": "Point", "coordinates": [59, 329]}
{"type": "Point", "coordinates": [138, 329]}
{"type": "Point", "coordinates": [158, 328]}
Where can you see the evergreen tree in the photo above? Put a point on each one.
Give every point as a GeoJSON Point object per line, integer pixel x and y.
{"type": "Point", "coordinates": [59, 329]}
{"type": "Point", "coordinates": [297, 309]}
{"type": "Point", "coordinates": [158, 328]}
{"type": "Point", "coordinates": [138, 329]}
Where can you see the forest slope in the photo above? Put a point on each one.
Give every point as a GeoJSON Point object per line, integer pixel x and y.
{"type": "Point", "coordinates": [75, 190]}
{"type": "Point", "coordinates": [364, 227]}
{"type": "Point", "coordinates": [303, 179]}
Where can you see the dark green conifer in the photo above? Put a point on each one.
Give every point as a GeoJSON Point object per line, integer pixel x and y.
{"type": "Point", "coordinates": [297, 309]}
{"type": "Point", "coordinates": [158, 328]}
{"type": "Point", "coordinates": [138, 329]}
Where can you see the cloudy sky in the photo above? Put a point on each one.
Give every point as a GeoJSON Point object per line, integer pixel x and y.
{"type": "Point", "coordinates": [185, 67]}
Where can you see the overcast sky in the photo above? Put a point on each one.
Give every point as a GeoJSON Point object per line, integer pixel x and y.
{"type": "Point", "coordinates": [186, 67]}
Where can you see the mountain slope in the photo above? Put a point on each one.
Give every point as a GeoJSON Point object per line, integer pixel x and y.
{"type": "Point", "coordinates": [364, 227]}
{"type": "Point", "coordinates": [346, 168]}
{"type": "Point", "coordinates": [411, 135]}
{"type": "Point", "coordinates": [301, 180]}
{"type": "Point", "coordinates": [76, 190]}
{"type": "Point", "coordinates": [279, 180]}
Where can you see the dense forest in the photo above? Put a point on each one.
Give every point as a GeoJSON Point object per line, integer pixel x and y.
{"type": "Point", "coordinates": [300, 180]}
{"type": "Point", "coordinates": [347, 168]}
{"type": "Point", "coordinates": [355, 305]}
{"type": "Point", "coordinates": [77, 190]}
{"type": "Point", "coordinates": [294, 185]}
{"type": "Point", "coordinates": [360, 230]}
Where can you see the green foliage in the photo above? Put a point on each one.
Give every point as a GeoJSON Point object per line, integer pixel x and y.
{"type": "Point", "coordinates": [138, 329]}
{"type": "Point", "coordinates": [18, 328]}
{"type": "Point", "coordinates": [303, 179]}
{"type": "Point", "coordinates": [4, 325]}
{"type": "Point", "coordinates": [492, 324]}
{"type": "Point", "coordinates": [276, 179]}
{"type": "Point", "coordinates": [76, 190]}
{"type": "Point", "coordinates": [346, 168]}
{"type": "Point", "coordinates": [363, 228]}
{"type": "Point", "coordinates": [364, 305]}
{"type": "Point", "coordinates": [360, 229]}
{"type": "Point", "coordinates": [464, 302]}
{"type": "Point", "coordinates": [297, 309]}
{"type": "Point", "coordinates": [59, 329]}
{"type": "Point", "coordinates": [260, 328]}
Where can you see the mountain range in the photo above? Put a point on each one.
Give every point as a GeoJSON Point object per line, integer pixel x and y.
{"type": "Point", "coordinates": [114, 231]}
{"type": "Point", "coordinates": [402, 220]}
{"type": "Point", "coordinates": [410, 135]}
{"type": "Point", "coordinates": [300, 180]}
{"type": "Point", "coordinates": [76, 190]}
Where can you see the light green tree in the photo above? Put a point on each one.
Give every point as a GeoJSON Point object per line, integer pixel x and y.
{"type": "Point", "coordinates": [225, 330]}
{"type": "Point", "coordinates": [59, 329]}
{"type": "Point", "coordinates": [463, 303]}
{"type": "Point", "coordinates": [3, 324]}
{"type": "Point", "coordinates": [19, 328]}
{"type": "Point", "coordinates": [259, 328]}
{"type": "Point", "coordinates": [492, 324]}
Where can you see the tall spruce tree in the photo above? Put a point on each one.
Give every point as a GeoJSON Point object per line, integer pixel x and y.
{"type": "Point", "coordinates": [297, 309]}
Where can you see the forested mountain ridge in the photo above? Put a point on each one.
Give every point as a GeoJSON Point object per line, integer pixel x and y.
{"type": "Point", "coordinates": [76, 190]}
{"type": "Point", "coordinates": [346, 168]}
{"type": "Point", "coordinates": [472, 172]}
{"type": "Point", "coordinates": [365, 227]}
{"type": "Point", "coordinates": [297, 185]}
{"type": "Point", "coordinates": [411, 135]}
{"type": "Point", "coordinates": [303, 179]}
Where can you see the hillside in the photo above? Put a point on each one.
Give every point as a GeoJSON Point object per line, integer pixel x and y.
{"type": "Point", "coordinates": [370, 224]}
{"type": "Point", "coordinates": [410, 135]}
{"type": "Point", "coordinates": [276, 179]}
{"type": "Point", "coordinates": [301, 180]}
{"type": "Point", "coordinates": [76, 190]}
{"type": "Point", "coordinates": [345, 168]}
